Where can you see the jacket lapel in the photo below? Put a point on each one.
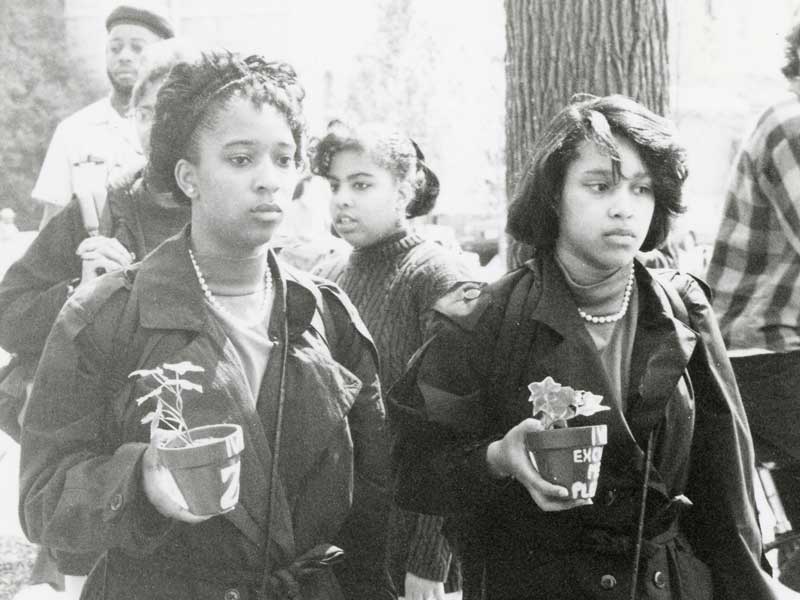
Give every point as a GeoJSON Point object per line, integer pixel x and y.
{"type": "Point", "coordinates": [171, 298]}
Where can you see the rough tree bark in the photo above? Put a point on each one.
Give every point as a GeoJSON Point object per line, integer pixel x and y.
{"type": "Point", "coordinates": [558, 48]}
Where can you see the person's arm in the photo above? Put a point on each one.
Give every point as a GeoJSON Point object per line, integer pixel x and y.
{"type": "Point", "coordinates": [776, 169]}
{"type": "Point", "coordinates": [80, 482]}
{"type": "Point", "coordinates": [34, 289]}
{"type": "Point", "coordinates": [36, 286]}
{"type": "Point", "coordinates": [453, 454]}
{"type": "Point", "coordinates": [53, 188]}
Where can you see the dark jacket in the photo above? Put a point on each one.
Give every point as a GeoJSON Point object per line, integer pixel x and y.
{"type": "Point", "coordinates": [35, 287]}
{"type": "Point", "coordinates": [469, 386]}
{"type": "Point", "coordinates": [82, 439]}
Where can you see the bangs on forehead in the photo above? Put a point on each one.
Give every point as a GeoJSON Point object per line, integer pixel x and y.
{"type": "Point", "coordinates": [597, 130]}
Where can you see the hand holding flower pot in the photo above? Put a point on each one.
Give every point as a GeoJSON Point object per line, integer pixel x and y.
{"type": "Point", "coordinates": [567, 456]}
{"type": "Point", "coordinates": [204, 462]}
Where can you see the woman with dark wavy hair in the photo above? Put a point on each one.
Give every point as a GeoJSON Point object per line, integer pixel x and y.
{"type": "Point", "coordinates": [672, 515]}
{"type": "Point", "coordinates": [281, 354]}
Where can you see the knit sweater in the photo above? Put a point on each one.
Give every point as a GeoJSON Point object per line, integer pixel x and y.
{"type": "Point", "coordinates": [394, 285]}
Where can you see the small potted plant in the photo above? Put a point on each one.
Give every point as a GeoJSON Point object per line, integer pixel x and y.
{"type": "Point", "coordinates": [204, 461]}
{"type": "Point", "coordinates": [567, 456]}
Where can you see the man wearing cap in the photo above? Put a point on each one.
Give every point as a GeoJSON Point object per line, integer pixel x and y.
{"type": "Point", "coordinates": [98, 139]}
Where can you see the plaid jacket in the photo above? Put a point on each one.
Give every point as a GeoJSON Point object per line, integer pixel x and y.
{"type": "Point", "coordinates": [755, 265]}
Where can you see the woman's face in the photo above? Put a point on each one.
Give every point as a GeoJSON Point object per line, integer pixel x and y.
{"type": "Point", "coordinates": [144, 112]}
{"type": "Point", "coordinates": [603, 223]}
{"type": "Point", "coordinates": [242, 180]}
{"type": "Point", "coordinates": [367, 203]}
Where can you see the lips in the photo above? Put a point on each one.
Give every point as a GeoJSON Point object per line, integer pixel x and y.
{"type": "Point", "coordinates": [620, 232]}
{"type": "Point", "coordinates": [345, 222]}
{"type": "Point", "coordinates": [267, 207]}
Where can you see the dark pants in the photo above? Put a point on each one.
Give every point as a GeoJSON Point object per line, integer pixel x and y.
{"type": "Point", "coordinates": [770, 389]}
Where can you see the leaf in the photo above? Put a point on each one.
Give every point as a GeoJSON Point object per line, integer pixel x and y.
{"type": "Point", "coordinates": [146, 372]}
{"type": "Point", "coordinates": [183, 367]}
{"type": "Point", "coordinates": [552, 399]}
{"type": "Point", "coordinates": [588, 404]}
{"type": "Point", "coordinates": [155, 392]}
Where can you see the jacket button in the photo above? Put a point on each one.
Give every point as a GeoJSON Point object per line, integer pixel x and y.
{"type": "Point", "coordinates": [232, 594]}
{"type": "Point", "coordinates": [610, 497]}
{"type": "Point", "coordinates": [116, 502]}
{"type": "Point", "coordinates": [659, 580]}
{"type": "Point", "coordinates": [608, 582]}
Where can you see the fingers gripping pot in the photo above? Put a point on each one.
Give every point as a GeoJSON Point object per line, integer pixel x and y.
{"type": "Point", "coordinates": [205, 462]}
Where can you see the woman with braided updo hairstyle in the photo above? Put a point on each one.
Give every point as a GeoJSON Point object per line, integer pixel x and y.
{"type": "Point", "coordinates": [379, 181]}
{"type": "Point", "coordinates": [282, 355]}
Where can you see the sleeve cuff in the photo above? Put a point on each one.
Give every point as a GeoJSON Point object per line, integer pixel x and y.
{"type": "Point", "coordinates": [429, 553]}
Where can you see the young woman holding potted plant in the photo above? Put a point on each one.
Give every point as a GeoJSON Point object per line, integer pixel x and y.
{"type": "Point", "coordinates": [581, 327]}
{"type": "Point", "coordinates": [280, 355]}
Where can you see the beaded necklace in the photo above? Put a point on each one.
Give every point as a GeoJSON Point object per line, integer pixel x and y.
{"type": "Point", "coordinates": [216, 303]}
{"type": "Point", "coordinates": [626, 300]}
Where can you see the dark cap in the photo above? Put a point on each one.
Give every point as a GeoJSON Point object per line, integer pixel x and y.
{"type": "Point", "coordinates": [156, 23]}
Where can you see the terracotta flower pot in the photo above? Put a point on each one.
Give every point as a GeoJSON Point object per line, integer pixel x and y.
{"type": "Point", "coordinates": [207, 471]}
{"type": "Point", "coordinates": [569, 457]}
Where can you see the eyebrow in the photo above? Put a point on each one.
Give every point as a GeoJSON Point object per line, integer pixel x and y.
{"type": "Point", "coordinates": [253, 143]}
{"type": "Point", "coordinates": [360, 174]}
{"type": "Point", "coordinates": [637, 175]}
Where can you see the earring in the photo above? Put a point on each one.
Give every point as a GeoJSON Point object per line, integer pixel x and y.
{"type": "Point", "coordinates": [190, 191]}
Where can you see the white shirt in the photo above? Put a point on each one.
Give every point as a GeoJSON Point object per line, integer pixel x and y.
{"type": "Point", "coordinates": [97, 131]}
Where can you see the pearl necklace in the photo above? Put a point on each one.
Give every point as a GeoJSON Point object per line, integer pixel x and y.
{"type": "Point", "coordinates": [626, 300]}
{"type": "Point", "coordinates": [216, 303]}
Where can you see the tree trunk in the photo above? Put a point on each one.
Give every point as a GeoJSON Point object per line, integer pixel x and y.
{"type": "Point", "coordinates": [558, 48]}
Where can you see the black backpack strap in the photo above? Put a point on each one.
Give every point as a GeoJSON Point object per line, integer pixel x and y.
{"type": "Point", "coordinates": [515, 335]}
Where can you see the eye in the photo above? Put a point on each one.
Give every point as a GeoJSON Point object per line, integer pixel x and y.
{"type": "Point", "coordinates": [137, 47]}
{"type": "Point", "coordinates": [598, 186]}
{"type": "Point", "coordinates": [643, 189]}
{"type": "Point", "coordinates": [240, 160]}
{"type": "Point", "coordinates": [115, 48]}
{"type": "Point", "coordinates": [334, 185]}
{"type": "Point", "coordinates": [361, 186]}
{"type": "Point", "coordinates": [285, 161]}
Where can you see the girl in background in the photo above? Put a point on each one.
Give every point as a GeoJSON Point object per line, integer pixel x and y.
{"type": "Point", "coordinates": [379, 181]}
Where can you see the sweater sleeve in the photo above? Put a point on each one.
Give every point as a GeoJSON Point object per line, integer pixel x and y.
{"type": "Point", "coordinates": [429, 553]}
{"type": "Point", "coordinates": [35, 287]}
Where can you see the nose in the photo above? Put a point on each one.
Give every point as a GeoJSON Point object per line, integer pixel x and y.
{"type": "Point", "coordinates": [267, 179]}
{"type": "Point", "coordinates": [622, 203]}
{"type": "Point", "coordinates": [342, 198]}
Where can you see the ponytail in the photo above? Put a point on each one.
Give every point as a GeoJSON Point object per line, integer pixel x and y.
{"type": "Point", "coordinates": [426, 187]}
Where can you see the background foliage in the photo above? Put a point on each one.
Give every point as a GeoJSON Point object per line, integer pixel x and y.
{"type": "Point", "coordinates": [39, 88]}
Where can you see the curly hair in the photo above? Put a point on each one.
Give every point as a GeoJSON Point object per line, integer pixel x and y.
{"type": "Point", "coordinates": [792, 67]}
{"type": "Point", "coordinates": [532, 215]}
{"type": "Point", "coordinates": [391, 150]}
{"type": "Point", "coordinates": [196, 92]}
